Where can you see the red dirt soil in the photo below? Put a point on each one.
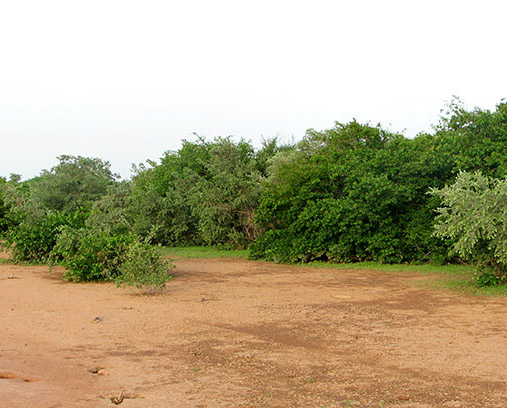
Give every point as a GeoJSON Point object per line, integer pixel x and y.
{"type": "Point", "coordinates": [234, 333]}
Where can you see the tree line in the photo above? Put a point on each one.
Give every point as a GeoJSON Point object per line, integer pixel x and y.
{"type": "Point", "coordinates": [355, 192]}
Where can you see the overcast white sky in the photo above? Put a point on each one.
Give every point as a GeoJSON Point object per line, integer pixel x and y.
{"type": "Point", "coordinates": [127, 80]}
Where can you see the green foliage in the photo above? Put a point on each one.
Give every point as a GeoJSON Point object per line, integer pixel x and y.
{"type": "Point", "coordinates": [347, 194]}
{"type": "Point", "coordinates": [110, 212]}
{"type": "Point", "coordinates": [353, 193]}
{"type": "Point", "coordinates": [474, 215]}
{"type": "Point", "coordinates": [477, 138]}
{"type": "Point", "coordinates": [32, 229]}
{"type": "Point", "coordinates": [269, 149]}
{"type": "Point", "coordinates": [143, 267]}
{"type": "Point", "coordinates": [98, 255]}
{"type": "Point", "coordinates": [74, 183]}
{"type": "Point", "coordinates": [3, 208]}
{"type": "Point", "coordinates": [91, 255]}
{"type": "Point", "coordinates": [488, 277]}
{"type": "Point", "coordinates": [205, 193]}
{"type": "Point", "coordinates": [7, 188]}
{"type": "Point", "coordinates": [77, 215]}
{"type": "Point", "coordinates": [36, 210]}
{"type": "Point", "coordinates": [34, 239]}
{"type": "Point", "coordinates": [224, 199]}
{"type": "Point", "coordinates": [106, 248]}
{"type": "Point", "coordinates": [357, 192]}
{"type": "Point", "coordinates": [159, 203]}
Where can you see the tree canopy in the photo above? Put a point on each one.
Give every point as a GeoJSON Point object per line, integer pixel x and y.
{"type": "Point", "coordinates": [353, 192]}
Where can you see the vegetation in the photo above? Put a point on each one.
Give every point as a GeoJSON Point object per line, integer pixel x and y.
{"type": "Point", "coordinates": [475, 216]}
{"type": "Point", "coordinates": [3, 208]}
{"type": "Point", "coordinates": [76, 215]}
{"type": "Point", "coordinates": [75, 183]}
{"type": "Point", "coordinates": [143, 268]}
{"type": "Point", "coordinates": [203, 252]}
{"type": "Point", "coordinates": [352, 193]}
{"type": "Point", "coordinates": [358, 193]}
{"type": "Point", "coordinates": [205, 193]}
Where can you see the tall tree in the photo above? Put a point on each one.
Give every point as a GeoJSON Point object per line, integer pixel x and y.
{"type": "Point", "coordinates": [73, 183]}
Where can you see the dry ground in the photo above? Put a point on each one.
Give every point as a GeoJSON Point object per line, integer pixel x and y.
{"type": "Point", "coordinates": [234, 333]}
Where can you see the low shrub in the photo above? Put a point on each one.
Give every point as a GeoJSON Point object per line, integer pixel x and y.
{"type": "Point", "coordinates": [90, 255]}
{"type": "Point", "coordinates": [487, 277]}
{"type": "Point", "coordinates": [143, 267]}
{"type": "Point", "coordinates": [32, 238]}
{"type": "Point", "coordinates": [97, 255]}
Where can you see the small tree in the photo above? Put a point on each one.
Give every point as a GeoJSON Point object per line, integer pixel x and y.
{"type": "Point", "coordinates": [474, 215]}
{"type": "Point", "coordinates": [74, 183]}
{"type": "Point", "coordinates": [224, 199]}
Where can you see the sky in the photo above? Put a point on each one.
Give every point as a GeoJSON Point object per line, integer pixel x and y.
{"type": "Point", "coordinates": [128, 80]}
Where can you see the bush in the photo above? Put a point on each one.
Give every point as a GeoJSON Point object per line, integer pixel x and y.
{"type": "Point", "coordinates": [205, 193]}
{"type": "Point", "coordinates": [32, 213]}
{"type": "Point", "coordinates": [3, 208]}
{"type": "Point", "coordinates": [358, 193]}
{"type": "Point", "coordinates": [474, 215]}
{"type": "Point", "coordinates": [489, 277]}
{"type": "Point", "coordinates": [351, 193]}
{"type": "Point", "coordinates": [91, 255]}
{"type": "Point", "coordinates": [32, 238]}
{"type": "Point", "coordinates": [97, 255]}
{"type": "Point", "coordinates": [143, 267]}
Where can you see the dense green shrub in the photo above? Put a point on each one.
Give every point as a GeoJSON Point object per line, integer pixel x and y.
{"type": "Point", "coordinates": [205, 193]}
{"type": "Point", "coordinates": [32, 230]}
{"type": "Point", "coordinates": [34, 239]}
{"type": "Point", "coordinates": [357, 192]}
{"type": "Point", "coordinates": [350, 193]}
{"type": "Point", "coordinates": [90, 255]}
{"type": "Point", "coordinates": [6, 202]}
{"type": "Point", "coordinates": [106, 248]}
{"type": "Point", "coordinates": [159, 204]}
{"type": "Point", "coordinates": [97, 255]}
{"type": "Point", "coordinates": [224, 200]}
{"type": "Point", "coordinates": [34, 211]}
{"type": "Point", "coordinates": [3, 209]}
{"type": "Point", "coordinates": [474, 214]}
{"type": "Point", "coordinates": [477, 138]}
{"type": "Point", "coordinates": [354, 192]}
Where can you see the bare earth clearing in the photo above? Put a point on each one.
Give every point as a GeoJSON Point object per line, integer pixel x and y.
{"type": "Point", "coordinates": [234, 333]}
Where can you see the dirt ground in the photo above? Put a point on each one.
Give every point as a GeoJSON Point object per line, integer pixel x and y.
{"type": "Point", "coordinates": [235, 333]}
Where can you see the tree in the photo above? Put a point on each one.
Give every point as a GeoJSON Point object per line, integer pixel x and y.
{"type": "Point", "coordinates": [32, 229]}
{"type": "Point", "coordinates": [477, 138]}
{"type": "Point", "coordinates": [74, 183]}
{"type": "Point", "coordinates": [474, 215]}
{"type": "Point", "coordinates": [225, 198]}
{"type": "Point", "coordinates": [353, 192]}
{"type": "Point", "coordinates": [160, 205]}
{"type": "Point", "coordinates": [204, 193]}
